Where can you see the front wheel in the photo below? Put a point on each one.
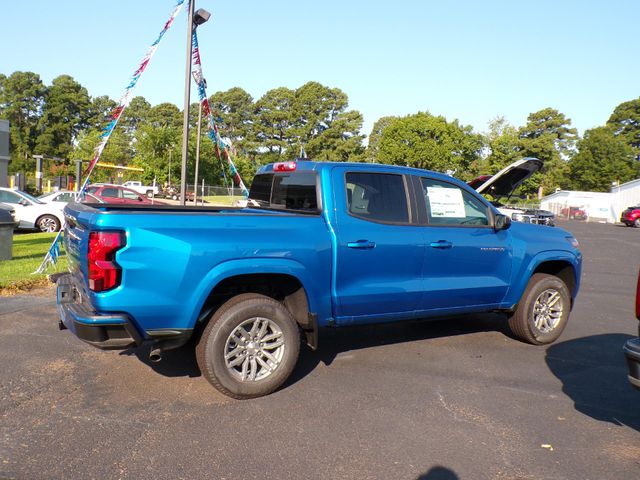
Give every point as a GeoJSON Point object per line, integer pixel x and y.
{"type": "Point", "coordinates": [149, 193]}
{"type": "Point", "coordinates": [636, 223]}
{"type": "Point", "coordinates": [250, 346]}
{"type": "Point", "coordinates": [48, 223]}
{"type": "Point", "coordinates": [543, 310]}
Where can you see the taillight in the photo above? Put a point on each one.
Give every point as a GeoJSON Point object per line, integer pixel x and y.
{"type": "Point", "coordinates": [284, 166]}
{"type": "Point", "coordinates": [638, 298]}
{"type": "Point", "coordinates": [104, 272]}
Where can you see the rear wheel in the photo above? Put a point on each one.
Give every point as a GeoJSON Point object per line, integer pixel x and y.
{"type": "Point", "coordinates": [543, 311]}
{"type": "Point", "coordinates": [250, 346]}
{"type": "Point", "coordinates": [48, 223]}
{"type": "Point", "coordinates": [636, 223]}
{"type": "Point", "coordinates": [149, 193]}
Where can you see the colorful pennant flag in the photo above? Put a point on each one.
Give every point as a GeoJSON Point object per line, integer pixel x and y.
{"type": "Point", "coordinates": [222, 148]}
{"type": "Point", "coordinates": [54, 250]}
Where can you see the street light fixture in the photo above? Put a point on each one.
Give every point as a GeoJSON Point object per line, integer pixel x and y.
{"type": "Point", "coordinates": [200, 17]}
{"type": "Point", "coordinates": [194, 20]}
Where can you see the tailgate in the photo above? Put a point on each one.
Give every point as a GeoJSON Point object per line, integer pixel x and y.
{"type": "Point", "coordinates": [76, 234]}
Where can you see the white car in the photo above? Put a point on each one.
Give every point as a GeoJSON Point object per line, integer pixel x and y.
{"type": "Point", "coordinates": [148, 190]}
{"type": "Point", "coordinates": [31, 213]}
{"type": "Point", "coordinates": [62, 197]}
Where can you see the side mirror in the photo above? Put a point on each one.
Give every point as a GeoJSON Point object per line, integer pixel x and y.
{"type": "Point", "coordinates": [23, 202]}
{"type": "Point", "coordinates": [502, 222]}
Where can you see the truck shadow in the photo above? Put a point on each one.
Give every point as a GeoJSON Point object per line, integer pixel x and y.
{"type": "Point", "coordinates": [334, 341]}
{"type": "Point", "coordinates": [181, 362]}
{"type": "Point", "coordinates": [594, 375]}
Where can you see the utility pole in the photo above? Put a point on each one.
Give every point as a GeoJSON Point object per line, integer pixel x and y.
{"type": "Point", "coordinates": [187, 100]}
{"type": "Point", "coordinates": [195, 181]}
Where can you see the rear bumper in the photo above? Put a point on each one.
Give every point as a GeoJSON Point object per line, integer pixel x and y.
{"type": "Point", "coordinates": [632, 354]}
{"type": "Point", "coordinates": [108, 332]}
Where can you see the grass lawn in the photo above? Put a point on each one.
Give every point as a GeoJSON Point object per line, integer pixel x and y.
{"type": "Point", "coordinates": [221, 199]}
{"type": "Point", "coordinates": [29, 250]}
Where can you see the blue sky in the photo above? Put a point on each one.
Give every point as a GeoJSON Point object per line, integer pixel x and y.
{"type": "Point", "coordinates": [465, 59]}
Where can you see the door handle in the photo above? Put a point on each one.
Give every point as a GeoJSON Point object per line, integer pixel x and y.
{"type": "Point", "coordinates": [441, 244]}
{"type": "Point", "coordinates": [361, 244]}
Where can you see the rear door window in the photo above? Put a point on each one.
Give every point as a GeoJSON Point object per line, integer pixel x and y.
{"type": "Point", "coordinates": [110, 192]}
{"type": "Point", "coordinates": [380, 197]}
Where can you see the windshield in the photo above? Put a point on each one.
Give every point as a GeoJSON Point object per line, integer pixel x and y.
{"type": "Point", "coordinates": [29, 197]}
{"type": "Point", "coordinates": [47, 195]}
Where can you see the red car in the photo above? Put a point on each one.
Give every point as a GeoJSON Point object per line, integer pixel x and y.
{"type": "Point", "coordinates": [631, 217]}
{"type": "Point", "coordinates": [118, 194]}
{"type": "Point", "coordinates": [575, 213]}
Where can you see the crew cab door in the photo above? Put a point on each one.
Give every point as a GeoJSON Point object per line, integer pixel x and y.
{"type": "Point", "coordinates": [467, 262]}
{"type": "Point", "coordinates": [379, 247]}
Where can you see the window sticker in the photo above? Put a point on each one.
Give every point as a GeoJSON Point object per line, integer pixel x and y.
{"type": "Point", "coordinates": [446, 202]}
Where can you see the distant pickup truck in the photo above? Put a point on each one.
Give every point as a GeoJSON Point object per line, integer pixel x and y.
{"type": "Point", "coordinates": [318, 245]}
{"type": "Point", "coordinates": [148, 190]}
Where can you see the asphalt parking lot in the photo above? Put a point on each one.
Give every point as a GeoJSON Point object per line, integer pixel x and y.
{"type": "Point", "coordinates": [443, 400]}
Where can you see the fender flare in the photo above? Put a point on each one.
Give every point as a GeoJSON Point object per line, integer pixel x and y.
{"type": "Point", "coordinates": [249, 266]}
{"type": "Point", "coordinates": [521, 278]}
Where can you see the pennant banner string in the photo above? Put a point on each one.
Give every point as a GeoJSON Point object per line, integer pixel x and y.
{"type": "Point", "coordinates": [54, 250]}
{"type": "Point", "coordinates": [124, 101]}
{"type": "Point", "coordinates": [222, 149]}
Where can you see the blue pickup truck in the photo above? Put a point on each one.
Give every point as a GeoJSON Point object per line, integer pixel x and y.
{"type": "Point", "coordinates": [318, 245]}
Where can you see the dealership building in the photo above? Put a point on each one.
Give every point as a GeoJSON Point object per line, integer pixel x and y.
{"type": "Point", "coordinates": [594, 206]}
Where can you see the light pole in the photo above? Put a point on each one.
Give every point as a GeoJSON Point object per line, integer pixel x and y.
{"type": "Point", "coordinates": [200, 17]}
{"type": "Point", "coordinates": [195, 180]}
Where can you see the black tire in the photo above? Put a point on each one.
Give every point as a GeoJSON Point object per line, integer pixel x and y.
{"type": "Point", "coordinates": [217, 343]}
{"type": "Point", "coordinates": [48, 223]}
{"type": "Point", "coordinates": [636, 223]}
{"type": "Point", "coordinates": [523, 322]}
{"type": "Point", "coordinates": [149, 193]}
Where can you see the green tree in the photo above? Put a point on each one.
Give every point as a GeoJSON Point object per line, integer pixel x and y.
{"type": "Point", "coordinates": [117, 152]}
{"type": "Point", "coordinates": [273, 124]}
{"type": "Point", "coordinates": [548, 135]}
{"type": "Point", "coordinates": [625, 122]}
{"type": "Point", "coordinates": [21, 101]}
{"type": "Point", "coordinates": [340, 141]}
{"type": "Point", "coordinates": [134, 115]}
{"type": "Point", "coordinates": [314, 117]}
{"type": "Point", "coordinates": [155, 147]}
{"type": "Point", "coordinates": [323, 125]}
{"type": "Point", "coordinates": [100, 112]}
{"type": "Point", "coordinates": [425, 141]}
{"type": "Point", "coordinates": [164, 115]}
{"type": "Point", "coordinates": [602, 158]}
{"type": "Point", "coordinates": [373, 147]}
{"type": "Point", "coordinates": [233, 111]}
{"type": "Point", "coordinates": [65, 114]}
{"type": "Point", "coordinates": [504, 146]}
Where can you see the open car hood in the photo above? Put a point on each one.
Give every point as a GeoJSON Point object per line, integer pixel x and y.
{"type": "Point", "coordinates": [503, 183]}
